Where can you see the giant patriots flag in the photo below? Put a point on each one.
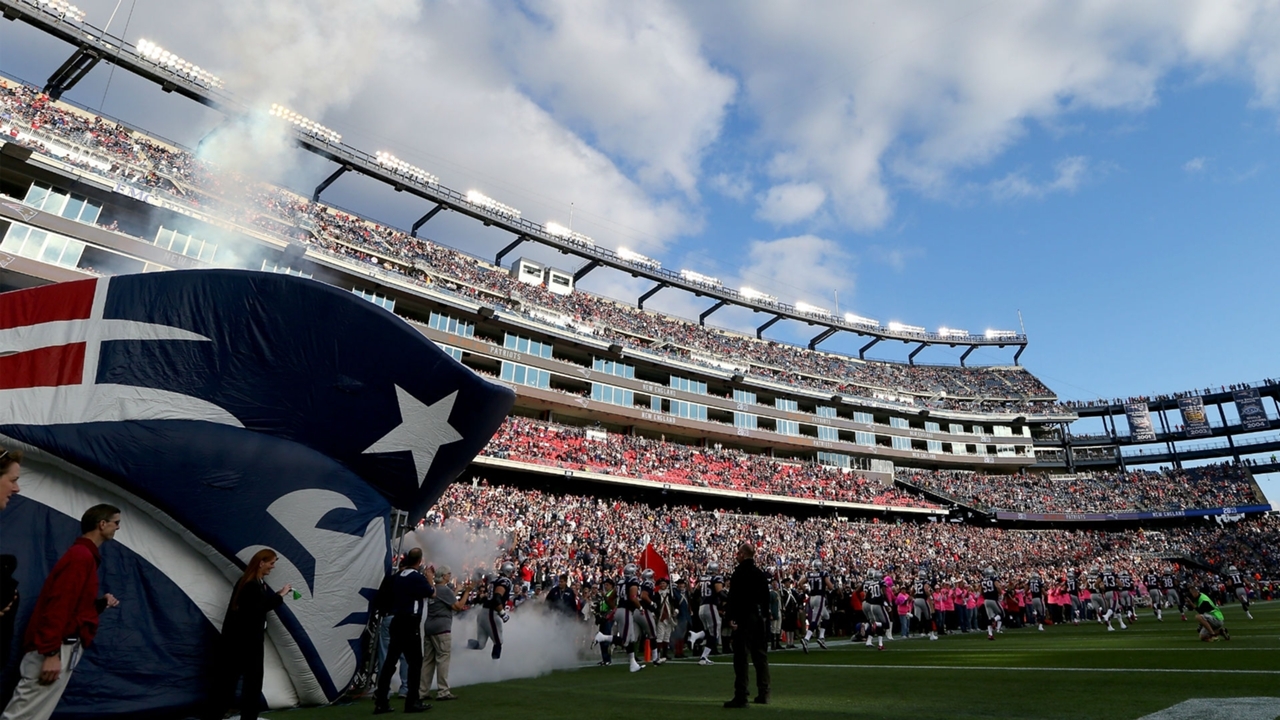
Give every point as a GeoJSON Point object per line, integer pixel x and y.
{"type": "Point", "coordinates": [224, 411]}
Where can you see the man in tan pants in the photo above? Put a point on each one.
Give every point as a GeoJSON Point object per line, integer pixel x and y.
{"type": "Point", "coordinates": [437, 635]}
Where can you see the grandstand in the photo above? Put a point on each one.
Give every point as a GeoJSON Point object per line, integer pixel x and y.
{"type": "Point", "coordinates": [738, 417]}
{"type": "Point", "coordinates": [633, 427]}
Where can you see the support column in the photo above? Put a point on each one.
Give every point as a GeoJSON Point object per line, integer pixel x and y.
{"type": "Point", "coordinates": [862, 351]}
{"type": "Point", "coordinates": [649, 294]}
{"type": "Point", "coordinates": [582, 271]}
{"type": "Point", "coordinates": [315, 196]}
{"type": "Point", "coordinates": [71, 72]}
{"type": "Point", "coordinates": [1231, 443]}
{"type": "Point", "coordinates": [760, 330]}
{"type": "Point", "coordinates": [1018, 355]}
{"type": "Point", "coordinates": [497, 259]}
{"type": "Point", "coordinates": [965, 356]}
{"type": "Point", "coordinates": [813, 344]}
{"type": "Point", "coordinates": [423, 220]}
{"type": "Point", "coordinates": [1164, 425]}
{"type": "Point", "coordinates": [702, 319]}
{"type": "Point", "coordinates": [911, 358]}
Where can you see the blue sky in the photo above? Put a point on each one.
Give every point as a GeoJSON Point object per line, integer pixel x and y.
{"type": "Point", "coordinates": [1109, 170]}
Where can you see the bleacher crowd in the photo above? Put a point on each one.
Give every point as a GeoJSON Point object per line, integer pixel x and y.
{"type": "Point", "coordinates": [658, 460]}
{"type": "Point", "coordinates": [589, 537]}
{"type": "Point", "coordinates": [133, 158]}
{"type": "Point", "coordinates": [1207, 486]}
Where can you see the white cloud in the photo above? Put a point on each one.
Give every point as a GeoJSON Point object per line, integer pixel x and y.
{"type": "Point", "coordinates": [736, 187]}
{"type": "Point", "coordinates": [1070, 173]}
{"type": "Point", "coordinates": [631, 75]}
{"type": "Point", "coordinates": [861, 98]}
{"type": "Point", "coordinates": [802, 267]}
{"type": "Point", "coordinates": [790, 202]}
{"type": "Point", "coordinates": [1195, 164]}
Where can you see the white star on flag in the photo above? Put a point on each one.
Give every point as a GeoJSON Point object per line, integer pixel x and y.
{"type": "Point", "coordinates": [422, 430]}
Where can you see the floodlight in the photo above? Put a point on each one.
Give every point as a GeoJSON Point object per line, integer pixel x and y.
{"type": "Point", "coordinates": [171, 62]}
{"type": "Point", "coordinates": [557, 230]}
{"type": "Point", "coordinates": [479, 199]}
{"type": "Point", "coordinates": [697, 277]}
{"type": "Point", "coordinates": [952, 332]}
{"type": "Point", "coordinates": [753, 294]}
{"type": "Point", "coordinates": [804, 307]}
{"type": "Point", "coordinates": [637, 258]}
{"type": "Point", "coordinates": [1000, 334]}
{"type": "Point", "coordinates": [400, 167]}
{"type": "Point", "coordinates": [305, 125]}
{"type": "Point", "coordinates": [859, 320]}
{"type": "Point", "coordinates": [904, 328]}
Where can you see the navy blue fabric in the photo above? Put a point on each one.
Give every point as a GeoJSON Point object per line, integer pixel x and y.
{"type": "Point", "coordinates": [151, 661]}
{"type": "Point", "coordinates": [311, 372]}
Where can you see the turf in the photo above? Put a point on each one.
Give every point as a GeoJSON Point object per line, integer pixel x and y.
{"type": "Point", "coordinates": [1064, 672]}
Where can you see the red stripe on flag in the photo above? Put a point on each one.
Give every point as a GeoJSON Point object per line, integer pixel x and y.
{"type": "Point", "coordinates": [45, 367]}
{"type": "Point", "coordinates": [63, 301]}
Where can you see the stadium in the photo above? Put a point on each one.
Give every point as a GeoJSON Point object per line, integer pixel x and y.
{"type": "Point", "coordinates": [600, 433]}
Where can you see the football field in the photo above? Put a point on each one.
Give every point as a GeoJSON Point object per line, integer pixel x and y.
{"type": "Point", "coordinates": [1064, 672]}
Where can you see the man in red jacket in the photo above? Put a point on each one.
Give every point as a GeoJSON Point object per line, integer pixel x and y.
{"type": "Point", "coordinates": [65, 619]}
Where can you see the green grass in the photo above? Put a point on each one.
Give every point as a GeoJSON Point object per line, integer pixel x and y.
{"type": "Point", "coordinates": [1065, 672]}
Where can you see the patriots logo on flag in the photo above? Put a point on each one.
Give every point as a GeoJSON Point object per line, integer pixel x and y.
{"type": "Point", "coordinates": [227, 411]}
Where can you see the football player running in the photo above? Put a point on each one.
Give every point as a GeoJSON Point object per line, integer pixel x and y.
{"type": "Point", "coordinates": [711, 590]}
{"type": "Point", "coordinates": [874, 606]}
{"type": "Point", "coordinates": [819, 584]}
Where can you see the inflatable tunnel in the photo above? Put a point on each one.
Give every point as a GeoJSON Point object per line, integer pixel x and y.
{"type": "Point", "coordinates": [223, 412]}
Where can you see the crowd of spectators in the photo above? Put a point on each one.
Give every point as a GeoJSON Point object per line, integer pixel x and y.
{"type": "Point", "coordinates": [658, 460]}
{"type": "Point", "coordinates": [1115, 402]}
{"type": "Point", "coordinates": [548, 533]}
{"type": "Point", "coordinates": [1207, 486]}
{"type": "Point", "coordinates": [131, 157]}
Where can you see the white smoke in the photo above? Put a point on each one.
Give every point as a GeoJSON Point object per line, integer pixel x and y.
{"type": "Point", "coordinates": [536, 640]}
{"type": "Point", "coordinates": [311, 56]}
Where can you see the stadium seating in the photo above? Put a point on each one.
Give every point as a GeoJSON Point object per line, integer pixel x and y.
{"type": "Point", "coordinates": [122, 154]}
{"type": "Point", "coordinates": [584, 536]}
{"type": "Point", "coordinates": [714, 467]}
{"type": "Point", "coordinates": [1207, 486]}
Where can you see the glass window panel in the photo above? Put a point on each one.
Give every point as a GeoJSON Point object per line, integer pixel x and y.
{"type": "Point", "coordinates": [53, 248]}
{"type": "Point", "coordinates": [90, 212]}
{"type": "Point", "coordinates": [71, 256]}
{"type": "Point", "coordinates": [35, 242]}
{"type": "Point", "coordinates": [211, 249]}
{"type": "Point", "coordinates": [36, 195]}
{"type": "Point", "coordinates": [54, 203]}
{"type": "Point", "coordinates": [73, 207]}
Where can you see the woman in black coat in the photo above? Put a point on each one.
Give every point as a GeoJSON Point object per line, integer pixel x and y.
{"type": "Point", "coordinates": [243, 628]}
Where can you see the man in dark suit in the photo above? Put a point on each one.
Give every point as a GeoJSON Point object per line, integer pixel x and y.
{"type": "Point", "coordinates": [409, 591]}
{"type": "Point", "coordinates": [747, 612]}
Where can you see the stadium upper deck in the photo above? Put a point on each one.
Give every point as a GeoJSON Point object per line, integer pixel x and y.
{"type": "Point", "coordinates": [127, 156]}
{"type": "Point", "coordinates": [497, 323]}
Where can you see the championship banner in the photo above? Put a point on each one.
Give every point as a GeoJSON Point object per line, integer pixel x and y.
{"type": "Point", "coordinates": [1194, 423]}
{"type": "Point", "coordinates": [1139, 418]}
{"type": "Point", "coordinates": [1249, 408]}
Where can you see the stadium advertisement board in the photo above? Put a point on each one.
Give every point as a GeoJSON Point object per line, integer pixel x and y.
{"type": "Point", "coordinates": [1249, 408]}
{"type": "Point", "coordinates": [1139, 418]}
{"type": "Point", "coordinates": [1194, 422]}
{"type": "Point", "coordinates": [1106, 517]}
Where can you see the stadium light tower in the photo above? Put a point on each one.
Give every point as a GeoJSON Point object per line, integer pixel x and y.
{"type": "Point", "coordinates": [305, 125]}
{"type": "Point", "coordinates": [400, 167]}
{"type": "Point", "coordinates": [177, 65]}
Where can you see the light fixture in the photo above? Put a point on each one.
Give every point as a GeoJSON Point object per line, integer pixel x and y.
{"type": "Point", "coordinates": [176, 65]}
{"type": "Point", "coordinates": [479, 199]}
{"type": "Point", "coordinates": [306, 125]}
{"type": "Point", "coordinates": [400, 167]}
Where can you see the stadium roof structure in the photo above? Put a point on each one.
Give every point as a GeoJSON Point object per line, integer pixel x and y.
{"type": "Point", "coordinates": [94, 45]}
